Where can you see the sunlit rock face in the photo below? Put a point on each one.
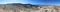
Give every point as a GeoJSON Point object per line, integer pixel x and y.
{"type": "Point", "coordinates": [11, 8]}
{"type": "Point", "coordinates": [26, 8]}
{"type": "Point", "coordinates": [21, 8]}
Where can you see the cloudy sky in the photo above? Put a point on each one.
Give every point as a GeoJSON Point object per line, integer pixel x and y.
{"type": "Point", "coordinates": [38, 2]}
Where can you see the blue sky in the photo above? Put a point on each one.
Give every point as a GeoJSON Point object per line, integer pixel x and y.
{"type": "Point", "coordinates": [35, 2]}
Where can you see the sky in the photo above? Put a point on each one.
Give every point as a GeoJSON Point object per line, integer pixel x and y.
{"type": "Point", "coordinates": [35, 2]}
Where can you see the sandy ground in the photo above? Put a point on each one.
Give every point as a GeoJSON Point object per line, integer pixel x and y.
{"type": "Point", "coordinates": [22, 9]}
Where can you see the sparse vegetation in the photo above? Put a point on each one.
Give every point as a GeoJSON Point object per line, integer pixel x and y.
{"type": "Point", "coordinates": [18, 7]}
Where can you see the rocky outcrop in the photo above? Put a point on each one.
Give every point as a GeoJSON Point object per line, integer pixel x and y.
{"type": "Point", "coordinates": [18, 7]}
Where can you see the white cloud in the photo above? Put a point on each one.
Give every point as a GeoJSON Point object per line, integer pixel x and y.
{"type": "Point", "coordinates": [14, 1]}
